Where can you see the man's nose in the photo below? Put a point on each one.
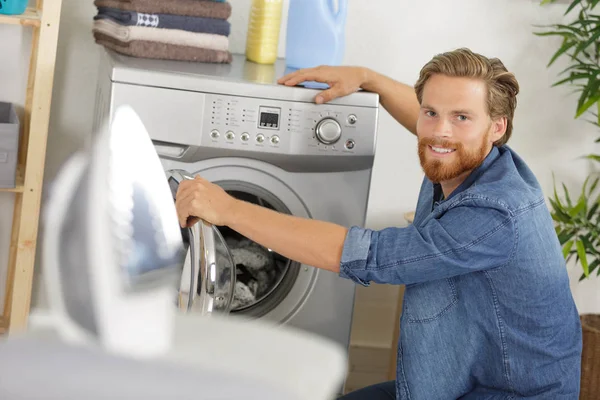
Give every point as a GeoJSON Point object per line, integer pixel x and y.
{"type": "Point", "coordinates": [443, 128]}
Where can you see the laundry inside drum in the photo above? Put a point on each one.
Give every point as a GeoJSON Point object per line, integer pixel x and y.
{"type": "Point", "coordinates": [263, 277]}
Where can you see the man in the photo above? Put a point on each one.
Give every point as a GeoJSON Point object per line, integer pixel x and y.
{"type": "Point", "coordinates": [488, 312]}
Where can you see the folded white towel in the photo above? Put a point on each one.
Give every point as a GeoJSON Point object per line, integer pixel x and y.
{"type": "Point", "coordinates": [168, 36]}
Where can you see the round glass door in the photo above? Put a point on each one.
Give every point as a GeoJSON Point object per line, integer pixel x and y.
{"type": "Point", "coordinates": [208, 273]}
{"type": "Point", "coordinates": [263, 277]}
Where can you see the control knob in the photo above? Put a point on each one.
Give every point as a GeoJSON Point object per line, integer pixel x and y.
{"type": "Point", "coordinates": [328, 131]}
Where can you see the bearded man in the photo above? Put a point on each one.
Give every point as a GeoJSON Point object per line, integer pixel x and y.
{"type": "Point", "coordinates": [488, 312]}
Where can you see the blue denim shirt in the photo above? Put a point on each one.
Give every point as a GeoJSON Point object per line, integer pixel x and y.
{"type": "Point", "coordinates": [488, 312]}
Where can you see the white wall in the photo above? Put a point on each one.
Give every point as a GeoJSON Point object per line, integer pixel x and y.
{"type": "Point", "coordinates": [395, 37]}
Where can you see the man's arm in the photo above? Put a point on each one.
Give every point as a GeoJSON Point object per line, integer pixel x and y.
{"type": "Point", "coordinates": [397, 98]}
{"type": "Point", "coordinates": [476, 234]}
{"type": "Point", "coordinates": [472, 236]}
{"type": "Point", "coordinates": [307, 241]}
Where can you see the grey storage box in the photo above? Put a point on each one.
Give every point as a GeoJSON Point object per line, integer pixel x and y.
{"type": "Point", "coordinates": [9, 145]}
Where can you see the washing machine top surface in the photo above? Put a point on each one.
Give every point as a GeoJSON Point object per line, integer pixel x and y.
{"type": "Point", "coordinates": [241, 77]}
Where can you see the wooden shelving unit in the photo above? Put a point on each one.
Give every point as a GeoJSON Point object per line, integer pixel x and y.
{"type": "Point", "coordinates": [44, 20]}
{"type": "Point", "coordinates": [31, 17]}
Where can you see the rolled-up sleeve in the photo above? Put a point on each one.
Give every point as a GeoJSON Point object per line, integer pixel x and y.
{"type": "Point", "coordinates": [471, 236]}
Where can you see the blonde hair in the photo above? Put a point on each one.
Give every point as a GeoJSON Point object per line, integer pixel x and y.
{"type": "Point", "coordinates": [502, 85]}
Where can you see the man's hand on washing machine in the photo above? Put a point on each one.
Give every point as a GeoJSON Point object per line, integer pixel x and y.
{"type": "Point", "coordinates": [342, 81]}
{"type": "Point", "coordinates": [200, 199]}
{"type": "Point", "coordinates": [399, 99]}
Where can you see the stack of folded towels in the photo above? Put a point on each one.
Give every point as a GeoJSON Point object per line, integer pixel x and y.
{"type": "Point", "coordinates": [185, 30]}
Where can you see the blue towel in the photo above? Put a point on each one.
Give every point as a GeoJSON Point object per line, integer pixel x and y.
{"type": "Point", "coordinates": [167, 21]}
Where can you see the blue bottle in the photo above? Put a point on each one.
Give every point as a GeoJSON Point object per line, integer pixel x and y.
{"type": "Point", "coordinates": [13, 7]}
{"type": "Point", "coordinates": [315, 33]}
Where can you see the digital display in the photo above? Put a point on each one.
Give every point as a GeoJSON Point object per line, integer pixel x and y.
{"type": "Point", "coordinates": [269, 117]}
{"type": "Point", "coordinates": [268, 120]}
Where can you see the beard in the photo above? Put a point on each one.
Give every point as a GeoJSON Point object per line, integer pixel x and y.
{"type": "Point", "coordinates": [440, 170]}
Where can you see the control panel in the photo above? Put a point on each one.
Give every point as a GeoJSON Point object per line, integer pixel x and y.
{"type": "Point", "coordinates": [287, 127]}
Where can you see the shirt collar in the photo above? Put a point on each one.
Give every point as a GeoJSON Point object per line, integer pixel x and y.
{"type": "Point", "coordinates": [476, 173]}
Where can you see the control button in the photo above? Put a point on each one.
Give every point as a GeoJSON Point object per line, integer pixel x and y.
{"type": "Point", "coordinates": [275, 139]}
{"type": "Point", "coordinates": [352, 119]}
{"type": "Point", "coordinates": [214, 134]}
{"type": "Point", "coordinates": [245, 137]}
{"type": "Point", "coordinates": [260, 138]}
{"type": "Point", "coordinates": [349, 144]}
{"type": "Point", "coordinates": [230, 135]}
{"type": "Point", "coordinates": [328, 131]}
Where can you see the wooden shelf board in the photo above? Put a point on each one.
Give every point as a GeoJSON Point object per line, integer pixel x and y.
{"type": "Point", "coordinates": [2, 325]}
{"type": "Point", "coordinates": [31, 17]}
{"type": "Point", "coordinates": [20, 183]}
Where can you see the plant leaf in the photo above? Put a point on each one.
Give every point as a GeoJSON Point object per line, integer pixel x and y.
{"type": "Point", "coordinates": [572, 6]}
{"type": "Point", "coordinates": [579, 208]}
{"type": "Point", "coordinates": [567, 248]}
{"type": "Point", "coordinates": [582, 257]}
{"type": "Point", "coordinates": [567, 44]}
{"type": "Point", "coordinates": [559, 215]}
{"type": "Point", "coordinates": [594, 157]}
{"type": "Point", "coordinates": [587, 245]}
{"type": "Point", "coordinates": [564, 236]}
{"type": "Point", "coordinates": [590, 102]}
{"type": "Point", "coordinates": [592, 211]}
{"type": "Point", "coordinates": [573, 77]}
{"type": "Point", "coordinates": [594, 185]}
{"type": "Point", "coordinates": [584, 45]}
{"type": "Point", "coordinates": [598, 116]}
{"type": "Point", "coordinates": [567, 198]}
{"type": "Point", "coordinates": [593, 266]}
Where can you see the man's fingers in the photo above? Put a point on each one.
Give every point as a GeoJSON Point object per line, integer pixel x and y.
{"type": "Point", "coordinates": [182, 216]}
{"type": "Point", "coordinates": [184, 206]}
{"type": "Point", "coordinates": [308, 75]}
{"type": "Point", "coordinates": [190, 185]}
{"type": "Point", "coordinates": [328, 95]}
{"type": "Point", "coordinates": [291, 75]}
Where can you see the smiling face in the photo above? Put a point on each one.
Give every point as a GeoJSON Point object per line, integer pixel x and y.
{"type": "Point", "coordinates": [454, 128]}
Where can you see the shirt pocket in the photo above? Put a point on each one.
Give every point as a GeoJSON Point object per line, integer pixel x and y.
{"type": "Point", "coordinates": [428, 301]}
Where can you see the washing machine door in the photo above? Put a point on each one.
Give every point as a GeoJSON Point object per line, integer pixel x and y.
{"type": "Point", "coordinates": [208, 272]}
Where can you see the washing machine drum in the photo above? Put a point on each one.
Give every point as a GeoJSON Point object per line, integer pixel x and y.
{"type": "Point", "coordinates": [208, 275]}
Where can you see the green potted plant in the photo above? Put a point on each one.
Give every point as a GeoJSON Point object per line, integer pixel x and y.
{"type": "Point", "coordinates": [578, 218]}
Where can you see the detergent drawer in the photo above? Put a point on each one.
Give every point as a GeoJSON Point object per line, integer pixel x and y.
{"type": "Point", "coordinates": [169, 115]}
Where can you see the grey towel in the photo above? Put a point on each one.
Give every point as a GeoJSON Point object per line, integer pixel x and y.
{"type": "Point", "coordinates": [163, 51]}
{"type": "Point", "coordinates": [166, 21]}
{"type": "Point", "coordinates": [192, 8]}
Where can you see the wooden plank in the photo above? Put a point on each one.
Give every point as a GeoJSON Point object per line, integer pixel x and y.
{"type": "Point", "coordinates": [31, 17]}
{"type": "Point", "coordinates": [20, 299]}
{"type": "Point", "coordinates": [12, 255]}
{"type": "Point", "coordinates": [2, 325]}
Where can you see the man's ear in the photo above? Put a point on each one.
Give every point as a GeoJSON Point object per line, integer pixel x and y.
{"type": "Point", "coordinates": [498, 129]}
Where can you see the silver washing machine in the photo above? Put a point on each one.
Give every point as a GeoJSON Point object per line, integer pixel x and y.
{"type": "Point", "coordinates": [267, 144]}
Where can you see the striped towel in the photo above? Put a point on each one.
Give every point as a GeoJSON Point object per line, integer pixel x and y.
{"type": "Point", "coordinates": [162, 51]}
{"type": "Point", "coordinates": [166, 21]}
{"type": "Point", "coordinates": [192, 8]}
{"type": "Point", "coordinates": [168, 36]}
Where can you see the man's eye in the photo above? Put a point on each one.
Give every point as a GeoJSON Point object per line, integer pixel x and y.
{"type": "Point", "coordinates": [462, 118]}
{"type": "Point", "coordinates": [430, 113]}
